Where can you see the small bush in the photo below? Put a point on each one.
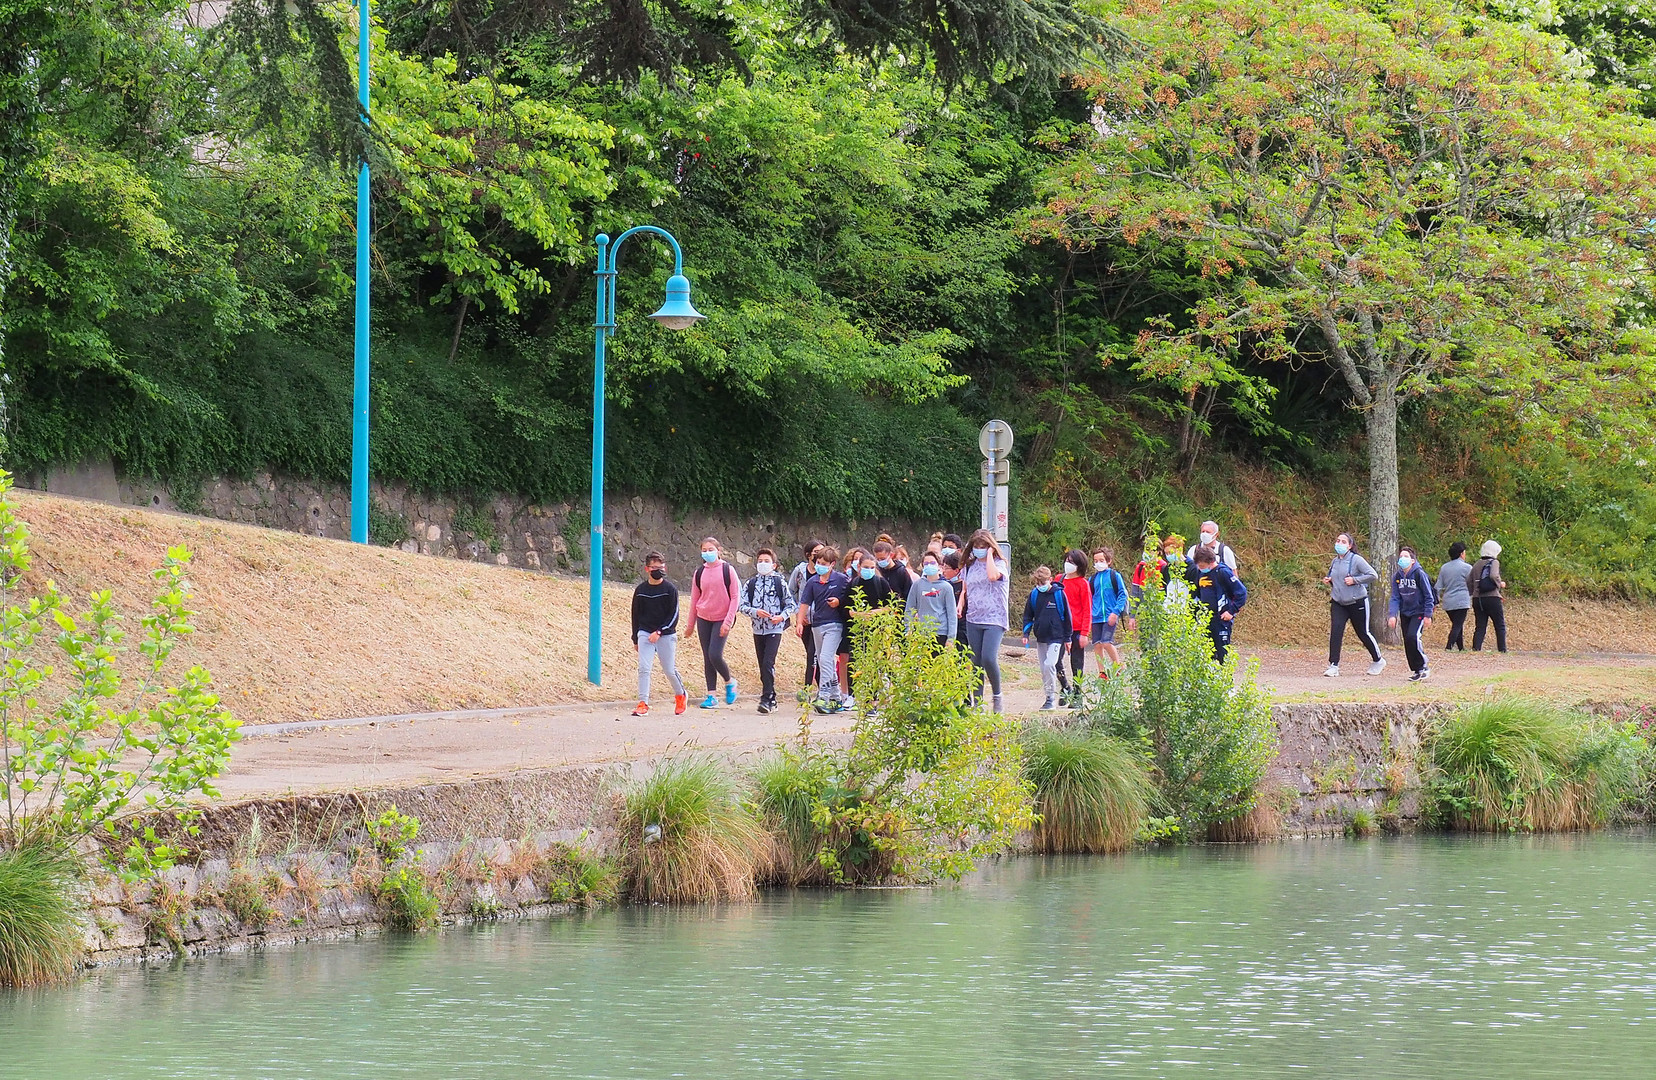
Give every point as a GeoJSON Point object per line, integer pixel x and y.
{"type": "Point", "coordinates": [574, 876]}
{"type": "Point", "coordinates": [40, 915]}
{"type": "Point", "coordinates": [1361, 823]}
{"type": "Point", "coordinates": [1511, 764]}
{"type": "Point", "coordinates": [791, 786]}
{"type": "Point", "coordinates": [687, 838]}
{"type": "Point", "coordinates": [247, 897]}
{"type": "Point", "coordinates": [1091, 790]}
{"type": "Point", "coordinates": [392, 832]}
{"type": "Point", "coordinates": [408, 900]}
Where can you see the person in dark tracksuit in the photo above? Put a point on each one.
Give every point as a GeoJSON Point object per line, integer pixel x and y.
{"type": "Point", "coordinates": [1453, 594]}
{"type": "Point", "coordinates": [1412, 603]}
{"type": "Point", "coordinates": [1349, 577]}
{"type": "Point", "coordinates": [767, 600]}
{"type": "Point", "coordinates": [1047, 615]}
{"type": "Point", "coordinates": [1485, 584]}
{"type": "Point", "coordinates": [1216, 587]}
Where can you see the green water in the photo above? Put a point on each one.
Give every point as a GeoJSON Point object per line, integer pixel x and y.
{"type": "Point", "coordinates": [1498, 959]}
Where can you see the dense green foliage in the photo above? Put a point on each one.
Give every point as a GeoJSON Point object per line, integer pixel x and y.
{"type": "Point", "coordinates": [40, 914]}
{"type": "Point", "coordinates": [1092, 791]}
{"type": "Point", "coordinates": [1511, 764]}
{"type": "Point", "coordinates": [899, 219]}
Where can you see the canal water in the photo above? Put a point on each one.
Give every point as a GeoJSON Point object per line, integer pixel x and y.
{"type": "Point", "coordinates": [1501, 959]}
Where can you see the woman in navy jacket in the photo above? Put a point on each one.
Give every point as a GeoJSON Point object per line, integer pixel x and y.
{"type": "Point", "coordinates": [1412, 602]}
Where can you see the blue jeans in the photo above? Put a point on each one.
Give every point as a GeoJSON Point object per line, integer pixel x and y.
{"type": "Point", "coordinates": [828, 637]}
{"type": "Point", "coordinates": [985, 643]}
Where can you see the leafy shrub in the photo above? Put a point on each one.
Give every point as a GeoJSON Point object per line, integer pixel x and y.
{"type": "Point", "coordinates": [78, 760]}
{"type": "Point", "coordinates": [247, 897]}
{"type": "Point", "coordinates": [407, 898]}
{"type": "Point", "coordinates": [1091, 790]}
{"type": "Point", "coordinates": [1206, 726]}
{"type": "Point", "coordinates": [686, 836]}
{"type": "Point", "coordinates": [392, 832]}
{"type": "Point", "coordinates": [574, 876]}
{"type": "Point", "coordinates": [1511, 764]}
{"type": "Point", "coordinates": [40, 914]}
{"type": "Point", "coordinates": [790, 786]}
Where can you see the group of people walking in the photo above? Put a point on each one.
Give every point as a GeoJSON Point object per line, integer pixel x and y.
{"type": "Point", "coordinates": [959, 592]}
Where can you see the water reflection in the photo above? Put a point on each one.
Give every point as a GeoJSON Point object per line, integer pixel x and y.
{"type": "Point", "coordinates": [1431, 958]}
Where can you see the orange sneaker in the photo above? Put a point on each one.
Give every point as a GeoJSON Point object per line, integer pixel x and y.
{"type": "Point", "coordinates": [643, 709]}
{"type": "Point", "coordinates": [679, 704]}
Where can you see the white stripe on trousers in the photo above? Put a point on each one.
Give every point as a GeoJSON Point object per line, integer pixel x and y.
{"type": "Point", "coordinates": [1367, 635]}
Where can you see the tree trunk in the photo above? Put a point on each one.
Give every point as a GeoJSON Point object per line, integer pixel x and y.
{"type": "Point", "coordinates": [1383, 502]}
{"type": "Point", "coordinates": [459, 325]}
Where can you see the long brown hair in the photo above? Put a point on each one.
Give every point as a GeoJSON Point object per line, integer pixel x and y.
{"type": "Point", "coordinates": [988, 539]}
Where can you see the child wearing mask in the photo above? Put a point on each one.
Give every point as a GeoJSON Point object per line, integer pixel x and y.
{"type": "Point", "coordinates": [823, 608]}
{"type": "Point", "coordinates": [1078, 595]}
{"type": "Point", "coordinates": [931, 603]}
{"type": "Point", "coordinates": [767, 600]}
{"type": "Point", "coordinates": [714, 598]}
{"type": "Point", "coordinates": [895, 572]}
{"type": "Point", "coordinates": [1109, 607]}
{"type": "Point", "coordinates": [868, 593]}
{"type": "Point", "coordinates": [655, 615]}
{"type": "Point", "coordinates": [1412, 603]}
{"type": "Point", "coordinates": [1215, 587]}
{"type": "Point", "coordinates": [984, 586]}
{"type": "Point", "coordinates": [1047, 615]}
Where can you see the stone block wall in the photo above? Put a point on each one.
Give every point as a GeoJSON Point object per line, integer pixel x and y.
{"type": "Point", "coordinates": [1337, 758]}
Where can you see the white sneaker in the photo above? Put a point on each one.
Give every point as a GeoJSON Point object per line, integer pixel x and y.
{"type": "Point", "coordinates": [1378, 666]}
{"type": "Point", "coordinates": [1333, 672]}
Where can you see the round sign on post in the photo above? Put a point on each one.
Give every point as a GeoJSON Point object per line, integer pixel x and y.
{"type": "Point", "coordinates": [995, 440]}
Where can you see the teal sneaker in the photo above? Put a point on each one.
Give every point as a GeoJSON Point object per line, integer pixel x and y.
{"type": "Point", "coordinates": [730, 692]}
{"type": "Point", "coordinates": [708, 702]}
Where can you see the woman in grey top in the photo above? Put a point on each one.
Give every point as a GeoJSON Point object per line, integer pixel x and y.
{"type": "Point", "coordinates": [1453, 595]}
{"type": "Point", "coordinates": [1349, 576]}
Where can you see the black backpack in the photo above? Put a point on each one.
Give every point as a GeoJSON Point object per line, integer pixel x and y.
{"type": "Point", "coordinates": [730, 585]}
{"type": "Point", "coordinates": [1488, 583]}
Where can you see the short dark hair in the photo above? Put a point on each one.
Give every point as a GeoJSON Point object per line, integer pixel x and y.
{"type": "Point", "coordinates": [1457, 549]}
{"type": "Point", "coordinates": [932, 555]}
{"type": "Point", "coordinates": [1205, 555]}
{"type": "Point", "coordinates": [1077, 557]}
{"type": "Point", "coordinates": [827, 553]}
{"type": "Point", "coordinates": [809, 546]}
{"type": "Point", "coordinates": [952, 538]}
{"type": "Point", "coordinates": [882, 547]}
{"type": "Point", "coordinates": [1104, 550]}
{"type": "Point", "coordinates": [764, 551]}
{"type": "Point", "coordinates": [654, 556]}
{"type": "Point", "coordinates": [952, 560]}
{"type": "Point", "coordinates": [1401, 548]}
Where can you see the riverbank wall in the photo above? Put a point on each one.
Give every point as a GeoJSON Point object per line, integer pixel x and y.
{"type": "Point", "coordinates": [283, 870]}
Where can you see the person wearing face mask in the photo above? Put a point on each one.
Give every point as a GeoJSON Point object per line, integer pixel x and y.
{"type": "Point", "coordinates": [1159, 574]}
{"type": "Point", "coordinates": [1109, 607]}
{"type": "Point", "coordinates": [868, 593]}
{"type": "Point", "coordinates": [767, 600]}
{"type": "Point", "coordinates": [1213, 586]}
{"type": "Point", "coordinates": [984, 589]}
{"type": "Point", "coordinates": [930, 605]}
{"type": "Point", "coordinates": [895, 572]}
{"type": "Point", "coordinates": [1454, 595]}
{"type": "Point", "coordinates": [1411, 604]}
{"type": "Point", "coordinates": [1176, 566]}
{"type": "Point", "coordinates": [823, 607]}
{"type": "Point", "coordinates": [655, 616]}
{"type": "Point", "coordinates": [796, 585]}
{"type": "Point", "coordinates": [1348, 579]}
{"type": "Point", "coordinates": [714, 598]}
{"type": "Point", "coordinates": [1047, 615]}
{"type": "Point", "coordinates": [951, 546]}
{"type": "Point", "coordinates": [1210, 538]}
{"type": "Point", "coordinates": [1078, 593]}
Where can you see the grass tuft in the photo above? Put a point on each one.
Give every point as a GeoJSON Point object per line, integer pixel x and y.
{"type": "Point", "coordinates": [41, 937]}
{"type": "Point", "coordinates": [790, 787]}
{"type": "Point", "coordinates": [1091, 791]}
{"type": "Point", "coordinates": [687, 838]}
{"type": "Point", "coordinates": [1516, 764]}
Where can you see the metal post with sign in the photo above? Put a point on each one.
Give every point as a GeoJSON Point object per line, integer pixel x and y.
{"type": "Point", "coordinates": [995, 440]}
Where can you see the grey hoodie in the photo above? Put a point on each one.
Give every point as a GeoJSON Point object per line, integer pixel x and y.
{"type": "Point", "coordinates": [1354, 566]}
{"type": "Point", "coordinates": [1453, 594]}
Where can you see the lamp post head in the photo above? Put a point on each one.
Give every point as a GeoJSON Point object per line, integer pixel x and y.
{"type": "Point", "coordinates": [677, 313]}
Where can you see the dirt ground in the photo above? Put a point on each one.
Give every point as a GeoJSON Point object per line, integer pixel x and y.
{"type": "Point", "coordinates": [301, 629]}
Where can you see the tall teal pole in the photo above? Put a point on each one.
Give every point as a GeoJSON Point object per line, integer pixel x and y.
{"type": "Point", "coordinates": [675, 313]}
{"type": "Point", "coordinates": [595, 539]}
{"type": "Point", "coordinates": [359, 400]}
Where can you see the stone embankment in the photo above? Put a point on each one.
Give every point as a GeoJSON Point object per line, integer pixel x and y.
{"type": "Point", "coordinates": [303, 868]}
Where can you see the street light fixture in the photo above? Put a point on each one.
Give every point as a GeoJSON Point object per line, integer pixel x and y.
{"type": "Point", "coordinates": [676, 313]}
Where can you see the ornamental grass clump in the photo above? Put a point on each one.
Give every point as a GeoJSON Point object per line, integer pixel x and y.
{"type": "Point", "coordinates": [1091, 791]}
{"type": "Point", "coordinates": [1511, 764]}
{"type": "Point", "coordinates": [687, 837]}
{"type": "Point", "coordinates": [789, 788]}
{"type": "Point", "coordinates": [41, 937]}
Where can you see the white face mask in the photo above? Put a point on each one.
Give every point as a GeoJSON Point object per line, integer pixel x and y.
{"type": "Point", "coordinates": [764, 567]}
{"type": "Point", "coordinates": [1070, 568]}
{"type": "Point", "coordinates": [1208, 538]}
{"type": "Point", "coordinates": [1101, 565]}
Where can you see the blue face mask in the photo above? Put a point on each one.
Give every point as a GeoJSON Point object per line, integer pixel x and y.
{"type": "Point", "coordinates": [947, 551]}
{"type": "Point", "coordinates": [1043, 588]}
{"type": "Point", "coordinates": [824, 568]}
{"type": "Point", "coordinates": [1404, 562]}
{"type": "Point", "coordinates": [710, 556]}
{"type": "Point", "coordinates": [868, 573]}
{"type": "Point", "coordinates": [931, 569]}
{"type": "Point", "coordinates": [982, 553]}
{"type": "Point", "coordinates": [885, 564]}
{"type": "Point", "coordinates": [1341, 549]}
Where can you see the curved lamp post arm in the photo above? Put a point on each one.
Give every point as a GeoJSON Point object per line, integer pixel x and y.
{"type": "Point", "coordinates": [609, 255]}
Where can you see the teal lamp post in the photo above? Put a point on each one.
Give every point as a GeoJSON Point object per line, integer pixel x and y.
{"type": "Point", "coordinates": [364, 223]}
{"type": "Point", "coordinates": [676, 313]}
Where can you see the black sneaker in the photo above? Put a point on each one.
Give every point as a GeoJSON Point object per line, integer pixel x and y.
{"type": "Point", "coordinates": [764, 707]}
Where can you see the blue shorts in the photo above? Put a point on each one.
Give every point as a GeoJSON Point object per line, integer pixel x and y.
{"type": "Point", "coordinates": [1103, 633]}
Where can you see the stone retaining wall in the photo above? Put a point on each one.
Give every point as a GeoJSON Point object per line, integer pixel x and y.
{"type": "Point", "coordinates": [1335, 759]}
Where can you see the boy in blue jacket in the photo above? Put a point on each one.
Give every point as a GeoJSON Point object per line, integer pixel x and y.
{"type": "Point", "coordinates": [1217, 588]}
{"type": "Point", "coordinates": [1047, 615]}
{"type": "Point", "coordinates": [1412, 602]}
{"type": "Point", "coordinates": [1109, 608]}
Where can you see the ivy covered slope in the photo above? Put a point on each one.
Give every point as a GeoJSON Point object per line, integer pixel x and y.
{"type": "Point", "coordinates": [1208, 256]}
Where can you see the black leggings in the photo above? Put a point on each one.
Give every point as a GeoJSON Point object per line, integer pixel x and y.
{"type": "Point", "coordinates": [1412, 648]}
{"type": "Point", "coordinates": [1078, 656]}
{"type": "Point", "coordinates": [765, 647]}
{"type": "Point", "coordinates": [1357, 615]}
{"type": "Point", "coordinates": [1457, 629]}
{"type": "Point", "coordinates": [713, 661]}
{"type": "Point", "coordinates": [1486, 610]}
{"type": "Point", "coordinates": [809, 640]}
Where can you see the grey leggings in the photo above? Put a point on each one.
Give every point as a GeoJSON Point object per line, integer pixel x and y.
{"type": "Point", "coordinates": [667, 649]}
{"type": "Point", "coordinates": [985, 643]}
{"type": "Point", "coordinates": [713, 661]}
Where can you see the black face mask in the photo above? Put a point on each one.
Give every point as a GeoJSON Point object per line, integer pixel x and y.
{"type": "Point", "coordinates": [657, 575]}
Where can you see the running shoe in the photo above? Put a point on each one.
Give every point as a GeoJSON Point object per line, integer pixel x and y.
{"type": "Point", "coordinates": [1333, 672]}
{"type": "Point", "coordinates": [680, 703]}
{"type": "Point", "coordinates": [643, 709]}
{"type": "Point", "coordinates": [1378, 666]}
{"type": "Point", "coordinates": [764, 708]}
{"type": "Point", "coordinates": [708, 702]}
{"type": "Point", "coordinates": [730, 692]}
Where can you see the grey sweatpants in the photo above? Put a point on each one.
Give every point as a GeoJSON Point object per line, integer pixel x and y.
{"type": "Point", "coordinates": [667, 649]}
{"type": "Point", "coordinates": [1051, 654]}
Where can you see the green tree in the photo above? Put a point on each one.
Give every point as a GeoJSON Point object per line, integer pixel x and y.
{"type": "Point", "coordinates": [1417, 195]}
